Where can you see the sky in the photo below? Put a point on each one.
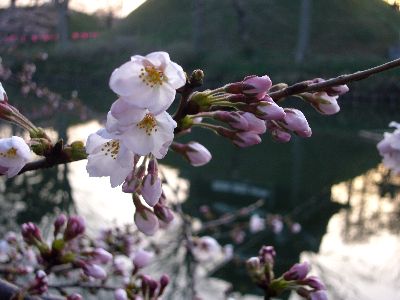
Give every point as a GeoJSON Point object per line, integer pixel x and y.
{"type": "Point", "coordinates": [121, 7]}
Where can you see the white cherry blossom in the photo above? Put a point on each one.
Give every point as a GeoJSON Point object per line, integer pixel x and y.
{"type": "Point", "coordinates": [148, 81]}
{"type": "Point", "coordinates": [108, 157]}
{"type": "Point", "coordinates": [152, 134]}
{"type": "Point", "coordinates": [14, 154]}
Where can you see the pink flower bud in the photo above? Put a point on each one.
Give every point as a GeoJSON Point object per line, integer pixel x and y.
{"type": "Point", "coordinates": [267, 109]}
{"type": "Point", "coordinates": [322, 102]}
{"type": "Point", "coordinates": [297, 122]}
{"type": "Point", "coordinates": [267, 254]}
{"type": "Point", "coordinates": [278, 134]}
{"type": "Point", "coordinates": [254, 124]}
{"type": "Point", "coordinates": [75, 227]}
{"type": "Point", "coordinates": [120, 294]}
{"type": "Point", "coordinates": [318, 295]}
{"type": "Point", "coordinates": [313, 282]}
{"type": "Point", "coordinates": [142, 258]}
{"type": "Point", "coordinates": [31, 233]}
{"type": "Point", "coordinates": [95, 271]}
{"type": "Point", "coordinates": [197, 154]}
{"type": "Point", "coordinates": [257, 87]}
{"type": "Point", "coordinates": [163, 212]}
{"type": "Point", "coordinates": [75, 296]}
{"type": "Point", "coordinates": [151, 189]}
{"type": "Point", "coordinates": [253, 264]}
{"type": "Point", "coordinates": [101, 255]}
{"type": "Point", "coordinates": [146, 221]}
{"type": "Point", "coordinates": [297, 272]}
{"type": "Point", "coordinates": [40, 284]}
{"type": "Point", "coordinates": [246, 139]}
{"type": "Point", "coordinates": [59, 222]}
{"type": "Point", "coordinates": [234, 119]}
{"type": "Point", "coordinates": [164, 281]}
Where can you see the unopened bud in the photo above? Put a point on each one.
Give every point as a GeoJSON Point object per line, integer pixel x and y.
{"type": "Point", "coordinates": [75, 227]}
{"type": "Point", "coordinates": [31, 233]}
{"type": "Point", "coordinates": [297, 272]}
{"type": "Point", "coordinates": [59, 223]}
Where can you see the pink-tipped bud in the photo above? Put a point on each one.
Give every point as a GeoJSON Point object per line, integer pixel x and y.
{"type": "Point", "coordinates": [296, 121]}
{"type": "Point", "coordinates": [40, 284]}
{"type": "Point", "coordinates": [267, 109]}
{"type": "Point", "coordinates": [297, 272]}
{"type": "Point", "coordinates": [313, 282]}
{"type": "Point", "coordinates": [318, 295]}
{"type": "Point", "coordinates": [337, 90]}
{"type": "Point", "coordinates": [75, 296]}
{"type": "Point", "coordinates": [31, 233]}
{"type": "Point", "coordinates": [254, 124]}
{"type": "Point", "coordinates": [59, 223]}
{"type": "Point", "coordinates": [163, 212]}
{"type": "Point", "coordinates": [253, 264]}
{"type": "Point", "coordinates": [234, 119]}
{"type": "Point", "coordinates": [246, 139]}
{"type": "Point", "coordinates": [142, 258]}
{"type": "Point", "coordinates": [322, 102]}
{"type": "Point", "coordinates": [257, 87]}
{"type": "Point", "coordinates": [130, 184]}
{"type": "Point", "coordinates": [278, 134]}
{"type": "Point", "coordinates": [101, 255]}
{"type": "Point", "coordinates": [95, 271]}
{"type": "Point", "coordinates": [151, 189]}
{"type": "Point", "coordinates": [197, 154]}
{"type": "Point", "coordinates": [267, 254]}
{"type": "Point", "coordinates": [164, 281]}
{"type": "Point", "coordinates": [146, 221]}
{"type": "Point", "coordinates": [120, 294]}
{"type": "Point", "coordinates": [75, 227]}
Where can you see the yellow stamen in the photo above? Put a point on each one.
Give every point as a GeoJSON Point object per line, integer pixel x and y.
{"type": "Point", "coordinates": [148, 123]}
{"type": "Point", "coordinates": [10, 153]}
{"type": "Point", "coordinates": [111, 147]}
{"type": "Point", "coordinates": [152, 76]}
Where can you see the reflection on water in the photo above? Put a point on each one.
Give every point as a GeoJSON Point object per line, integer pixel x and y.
{"type": "Point", "coordinates": [359, 247]}
{"type": "Point", "coordinates": [359, 255]}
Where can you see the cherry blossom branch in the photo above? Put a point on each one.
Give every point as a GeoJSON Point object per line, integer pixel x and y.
{"type": "Point", "coordinates": [228, 218]}
{"type": "Point", "coordinates": [47, 163]}
{"type": "Point", "coordinates": [305, 86]}
{"type": "Point", "coordinates": [83, 286]}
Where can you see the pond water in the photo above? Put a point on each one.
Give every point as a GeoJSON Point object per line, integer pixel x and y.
{"type": "Point", "coordinates": [332, 184]}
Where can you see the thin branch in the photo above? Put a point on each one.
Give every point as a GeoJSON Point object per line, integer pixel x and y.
{"type": "Point", "coordinates": [83, 286]}
{"type": "Point", "coordinates": [229, 218]}
{"type": "Point", "coordinates": [302, 87]}
{"type": "Point", "coordinates": [46, 163]}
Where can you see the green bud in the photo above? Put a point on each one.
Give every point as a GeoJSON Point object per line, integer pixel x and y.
{"type": "Point", "coordinates": [58, 244]}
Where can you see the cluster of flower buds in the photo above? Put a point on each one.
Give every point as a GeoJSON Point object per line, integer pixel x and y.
{"type": "Point", "coordinates": [261, 270]}
{"type": "Point", "coordinates": [389, 148]}
{"type": "Point", "coordinates": [146, 288]}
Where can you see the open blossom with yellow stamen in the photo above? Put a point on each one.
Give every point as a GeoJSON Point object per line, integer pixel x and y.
{"type": "Point", "coordinates": [148, 81]}
{"type": "Point", "coordinates": [151, 134]}
{"type": "Point", "coordinates": [14, 154]}
{"type": "Point", "coordinates": [108, 157]}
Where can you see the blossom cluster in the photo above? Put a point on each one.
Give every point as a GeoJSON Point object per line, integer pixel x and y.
{"type": "Point", "coordinates": [261, 270]}
{"type": "Point", "coordinates": [117, 252]}
{"type": "Point", "coordinates": [389, 148]}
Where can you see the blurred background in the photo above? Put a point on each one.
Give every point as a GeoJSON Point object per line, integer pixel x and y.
{"type": "Point", "coordinates": [56, 59]}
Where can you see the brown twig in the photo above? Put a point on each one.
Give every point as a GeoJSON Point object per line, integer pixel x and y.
{"type": "Point", "coordinates": [228, 218]}
{"type": "Point", "coordinates": [46, 163]}
{"type": "Point", "coordinates": [302, 87]}
{"type": "Point", "coordinates": [8, 291]}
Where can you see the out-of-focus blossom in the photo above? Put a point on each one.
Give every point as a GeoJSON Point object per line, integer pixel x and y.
{"type": "Point", "coordinates": [3, 94]}
{"type": "Point", "coordinates": [142, 258]}
{"type": "Point", "coordinates": [120, 294]}
{"type": "Point", "coordinates": [256, 223]}
{"type": "Point", "coordinates": [14, 154]}
{"type": "Point", "coordinates": [148, 81]}
{"type": "Point", "coordinates": [205, 248]}
{"type": "Point", "coordinates": [94, 270]}
{"type": "Point", "coordinates": [297, 272]}
{"type": "Point", "coordinates": [389, 148]}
